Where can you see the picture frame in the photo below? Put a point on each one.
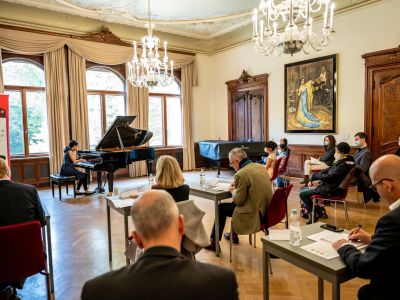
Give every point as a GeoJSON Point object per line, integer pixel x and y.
{"type": "Point", "coordinates": [310, 95]}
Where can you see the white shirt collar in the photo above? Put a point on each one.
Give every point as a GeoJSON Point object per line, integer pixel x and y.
{"type": "Point", "coordinates": [394, 205]}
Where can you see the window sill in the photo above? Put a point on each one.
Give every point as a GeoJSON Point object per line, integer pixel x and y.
{"type": "Point", "coordinates": [39, 156]}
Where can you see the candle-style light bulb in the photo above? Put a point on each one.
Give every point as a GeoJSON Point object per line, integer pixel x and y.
{"type": "Point", "coordinates": [172, 68]}
{"type": "Point", "coordinates": [255, 13]}
{"type": "Point", "coordinates": [331, 20]}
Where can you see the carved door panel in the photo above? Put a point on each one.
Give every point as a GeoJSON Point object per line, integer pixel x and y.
{"type": "Point", "coordinates": [240, 117]}
{"type": "Point", "coordinates": [256, 118]}
{"type": "Point", "coordinates": [385, 111]}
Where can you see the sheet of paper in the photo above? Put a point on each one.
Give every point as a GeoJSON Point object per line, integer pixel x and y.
{"type": "Point", "coordinates": [331, 237]}
{"type": "Point", "coordinates": [221, 186]}
{"type": "Point", "coordinates": [129, 194]}
{"type": "Point", "coordinates": [279, 234]}
{"type": "Point", "coordinates": [322, 249]}
{"type": "Point", "coordinates": [315, 161]}
{"type": "Point", "coordinates": [122, 203]}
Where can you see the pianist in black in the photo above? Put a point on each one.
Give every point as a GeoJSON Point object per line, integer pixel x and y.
{"type": "Point", "coordinates": [169, 177]}
{"type": "Point", "coordinates": [68, 167]}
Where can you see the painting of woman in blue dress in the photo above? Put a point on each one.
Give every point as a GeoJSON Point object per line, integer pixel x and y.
{"type": "Point", "coordinates": [304, 115]}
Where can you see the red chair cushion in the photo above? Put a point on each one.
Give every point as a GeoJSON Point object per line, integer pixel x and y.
{"type": "Point", "coordinates": [322, 197]}
{"type": "Point", "coordinates": [21, 251]}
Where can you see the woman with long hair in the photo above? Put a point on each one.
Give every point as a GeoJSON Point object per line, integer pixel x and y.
{"type": "Point", "coordinates": [324, 161]}
{"type": "Point", "coordinates": [169, 177]}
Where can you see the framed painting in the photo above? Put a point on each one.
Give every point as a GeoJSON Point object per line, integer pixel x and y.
{"type": "Point", "coordinates": [310, 96]}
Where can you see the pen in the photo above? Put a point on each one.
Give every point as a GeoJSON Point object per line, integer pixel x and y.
{"type": "Point", "coordinates": [357, 229]}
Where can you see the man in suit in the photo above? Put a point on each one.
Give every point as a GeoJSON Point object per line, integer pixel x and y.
{"type": "Point", "coordinates": [18, 202]}
{"type": "Point", "coordinates": [381, 257]}
{"type": "Point", "coordinates": [161, 272]}
{"type": "Point", "coordinates": [362, 157]}
{"type": "Point", "coordinates": [251, 194]}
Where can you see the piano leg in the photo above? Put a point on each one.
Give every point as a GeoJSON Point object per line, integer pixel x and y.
{"type": "Point", "coordinates": [110, 176]}
{"type": "Point", "coordinates": [218, 167]}
{"type": "Point", "coordinates": [99, 189]}
{"type": "Point", "coordinates": [149, 164]}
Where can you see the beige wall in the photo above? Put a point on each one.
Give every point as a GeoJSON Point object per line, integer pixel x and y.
{"type": "Point", "coordinates": [373, 28]}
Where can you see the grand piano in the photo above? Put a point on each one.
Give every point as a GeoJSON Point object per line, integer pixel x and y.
{"type": "Point", "coordinates": [119, 147]}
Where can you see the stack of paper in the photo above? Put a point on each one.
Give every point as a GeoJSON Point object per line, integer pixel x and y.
{"type": "Point", "coordinates": [128, 194]}
{"type": "Point", "coordinates": [221, 186]}
{"type": "Point", "coordinates": [122, 203]}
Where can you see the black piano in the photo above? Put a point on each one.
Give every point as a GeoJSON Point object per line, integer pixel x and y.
{"type": "Point", "coordinates": [120, 146]}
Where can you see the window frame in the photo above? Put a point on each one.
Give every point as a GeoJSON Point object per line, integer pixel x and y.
{"type": "Point", "coordinates": [164, 97]}
{"type": "Point", "coordinates": [104, 93]}
{"type": "Point", "coordinates": [38, 62]}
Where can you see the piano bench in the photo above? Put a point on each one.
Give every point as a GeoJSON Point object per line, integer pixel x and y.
{"type": "Point", "coordinates": [59, 180]}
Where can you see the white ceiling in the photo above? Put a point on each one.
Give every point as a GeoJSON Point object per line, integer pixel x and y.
{"type": "Point", "coordinates": [201, 19]}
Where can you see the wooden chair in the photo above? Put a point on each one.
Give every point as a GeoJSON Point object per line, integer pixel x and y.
{"type": "Point", "coordinates": [22, 254]}
{"type": "Point", "coordinates": [57, 179]}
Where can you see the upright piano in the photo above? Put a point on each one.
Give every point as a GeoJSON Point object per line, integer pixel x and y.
{"type": "Point", "coordinates": [216, 150]}
{"type": "Point", "coordinates": [119, 147]}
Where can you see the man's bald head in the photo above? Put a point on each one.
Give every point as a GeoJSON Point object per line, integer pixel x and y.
{"type": "Point", "coordinates": [153, 214]}
{"type": "Point", "coordinates": [385, 175]}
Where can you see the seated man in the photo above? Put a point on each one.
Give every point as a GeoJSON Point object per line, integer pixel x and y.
{"type": "Point", "coordinates": [381, 257]}
{"type": "Point", "coordinates": [362, 157]}
{"type": "Point", "coordinates": [18, 203]}
{"type": "Point", "coordinates": [161, 272]}
{"type": "Point", "coordinates": [330, 179]}
{"type": "Point", "coordinates": [251, 194]}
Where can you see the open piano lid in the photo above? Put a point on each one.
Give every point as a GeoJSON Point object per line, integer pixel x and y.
{"type": "Point", "coordinates": [129, 136]}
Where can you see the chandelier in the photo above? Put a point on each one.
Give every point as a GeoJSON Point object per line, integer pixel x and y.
{"type": "Point", "coordinates": [295, 37]}
{"type": "Point", "coordinates": [149, 70]}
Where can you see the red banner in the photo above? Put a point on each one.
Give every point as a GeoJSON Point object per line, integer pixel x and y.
{"type": "Point", "coordinates": [4, 129]}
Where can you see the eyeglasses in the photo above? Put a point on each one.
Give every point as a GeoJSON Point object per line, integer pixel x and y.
{"type": "Point", "coordinates": [380, 181]}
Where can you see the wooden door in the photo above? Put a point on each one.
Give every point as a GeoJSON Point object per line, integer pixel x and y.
{"type": "Point", "coordinates": [256, 116]}
{"type": "Point", "coordinates": [240, 117]}
{"type": "Point", "coordinates": [382, 100]}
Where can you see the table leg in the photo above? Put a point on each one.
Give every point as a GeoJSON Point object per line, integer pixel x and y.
{"type": "Point", "coordinates": [320, 288]}
{"type": "Point", "coordinates": [109, 234]}
{"type": "Point", "coordinates": [216, 224]}
{"type": "Point", "coordinates": [265, 274]}
{"type": "Point", "coordinates": [126, 238]}
{"type": "Point", "coordinates": [50, 255]}
{"type": "Point", "coordinates": [335, 291]}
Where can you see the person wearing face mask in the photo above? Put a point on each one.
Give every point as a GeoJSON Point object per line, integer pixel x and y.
{"type": "Point", "coordinates": [398, 150]}
{"type": "Point", "coordinates": [363, 156]}
{"type": "Point", "coordinates": [329, 181]}
{"type": "Point", "coordinates": [324, 162]}
{"type": "Point", "coordinates": [381, 259]}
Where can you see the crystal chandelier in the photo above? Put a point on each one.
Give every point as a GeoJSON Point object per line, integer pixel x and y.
{"type": "Point", "coordinates": [295, 37]}
{"type": "Point", "coordinates": [149, 70]}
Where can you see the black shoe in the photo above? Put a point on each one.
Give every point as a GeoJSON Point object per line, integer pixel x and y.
{"type": "Point", "coordinates": [212, 246]}
{"type": "Point", "coordinates": [316, 218]}
{"type": "Point", "coordinates": [235, 238]}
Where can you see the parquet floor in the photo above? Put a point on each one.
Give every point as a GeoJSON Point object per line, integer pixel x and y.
{"type": "Point", "coordinates": [79, 236]}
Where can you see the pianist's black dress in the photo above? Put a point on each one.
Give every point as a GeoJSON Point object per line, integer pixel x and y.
{"type": "Point", "coordinates": [68, 169]}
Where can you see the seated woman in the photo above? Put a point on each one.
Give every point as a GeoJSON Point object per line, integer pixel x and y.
{"type": "Point", "coordinates": [68, 168]}
{"type": "Point", "coordinates": [269, 147]}
{"type": "Point", "coordinates": [284, 141]}
{"type": "Point", "coordinates": [324, 162]}
{"type": "Point", "coordinates": [283, 152]}
{"type": "Point", "coordinates": [329, 182]}
{"type": "Point", "coordinates": [169, 177]}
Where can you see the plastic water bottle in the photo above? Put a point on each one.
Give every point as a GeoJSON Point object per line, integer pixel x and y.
{"type": "Point", "coordinates": [202, 178]}
{"type": "Point", "coordinates": [151, 179]}
{"type": "Point", "coordinates": [295, 230]}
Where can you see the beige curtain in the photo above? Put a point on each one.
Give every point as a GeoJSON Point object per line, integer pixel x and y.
{"type": "Point", "coordinates": [57, 105]}
{"type": "Point", "coordinates": [188, 81]}
{"type": "Point", "coordinates": [138, 105]}
{"type": "Point", "coordinates": [1, 75]}
{"type": "Point", "coordinates": [78, 99]}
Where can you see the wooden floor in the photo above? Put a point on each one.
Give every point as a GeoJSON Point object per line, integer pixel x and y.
{"type": "Point", "coordinates": [79, 236]}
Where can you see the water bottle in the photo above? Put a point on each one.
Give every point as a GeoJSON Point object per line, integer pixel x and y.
{"type": "Point", "coordinates": [295, 230]}
{"type": "Point", "coordinates": [202, 178]}
{"type": "Point", "coordinates": [151, 179]}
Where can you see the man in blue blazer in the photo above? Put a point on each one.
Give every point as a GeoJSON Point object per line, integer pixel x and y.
{"type": "Point", "coordinates": [381, 260]}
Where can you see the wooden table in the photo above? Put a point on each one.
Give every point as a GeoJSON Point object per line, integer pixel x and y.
{"type": "Point", "coordinates": [126, 212]}
{"type": "Point", "coordinates": [333, 270]}
{"type": "Point", "coordinates": [214, 195]}
{"type": "Point", "coordinates": [46, 236]}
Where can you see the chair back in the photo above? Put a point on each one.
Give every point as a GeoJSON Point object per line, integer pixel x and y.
{"type": "Point", "coordinates": [21, 253]}
{"type": "Point", "coordinates": [276, 169]}
{"type": "Point", "coordinates": [284, 164]}
{"type": "Point", "coordinates": [277, 208]}
{"type": "Point", "coordinates": [344, 185]}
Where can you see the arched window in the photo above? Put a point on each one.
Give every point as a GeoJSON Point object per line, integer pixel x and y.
{"type": "Point", "coordinates": [165, 115]}
{"type": "Point", "coordinates": [24, 82]}
{"type": "Point", "coordinates": [106, 100]}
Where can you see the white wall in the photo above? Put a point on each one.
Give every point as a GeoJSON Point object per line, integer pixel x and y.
{"type": "Point", "coordinates": [372, 28]}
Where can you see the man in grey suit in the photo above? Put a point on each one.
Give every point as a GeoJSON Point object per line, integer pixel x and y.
{"type": "Point", "coordinates": [161, 272]}
{"type": "Point", "coordinates": [362, 157]}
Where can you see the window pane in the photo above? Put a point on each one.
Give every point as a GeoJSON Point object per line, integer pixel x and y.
{"type": "Point", "coordinates": [38, 133]}
{"type": "Point", "coordinates": [174, 121]}
{"type": "Point", "coordinates": [16, 123]}
{"type": "Point", "coordinates": [115, 106]}
{"type": "Point", "coordinates": [156, 120]}
{"type": "Point", "coordinates": [174, 89]}
{"type": "Point", "coordinates": [22, 73]}
{"type": "Point", "coordinates": [94, 114]}
{"type": "Point", "coordinates": [102, 79]}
